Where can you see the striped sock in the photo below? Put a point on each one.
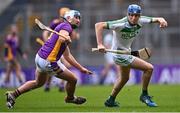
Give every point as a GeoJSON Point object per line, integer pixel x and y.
{"type": "Point", "coordinates": [16, 93]}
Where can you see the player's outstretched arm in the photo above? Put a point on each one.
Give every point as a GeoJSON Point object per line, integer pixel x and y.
{"type": "Point", "coordinates": [68, 56]}
{"type": "Point", "coordinates": [162, 22]}
{"type": "Point", "coordinates": [99, 27]}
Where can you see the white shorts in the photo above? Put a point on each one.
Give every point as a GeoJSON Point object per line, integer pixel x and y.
{"type": "Point", "coordinates": [123, 60]}
{"type": "Point", "coordinates": [43, 65]}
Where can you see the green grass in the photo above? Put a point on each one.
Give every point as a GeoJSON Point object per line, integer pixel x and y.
{"type": "Point", "coordinates": [166, 96]}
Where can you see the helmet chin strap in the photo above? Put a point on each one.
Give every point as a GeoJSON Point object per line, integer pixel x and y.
{"type": "Point", "coordinates": [74, 26]}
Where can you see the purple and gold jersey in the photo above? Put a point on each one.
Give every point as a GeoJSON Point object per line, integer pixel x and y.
{"type": "Point", "coordinates": [53, 48]}
{"type": "Point", "coordinates": [11, 46]}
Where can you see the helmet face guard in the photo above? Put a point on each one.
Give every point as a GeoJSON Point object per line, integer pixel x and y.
{"type": "Point", "coordinates": [73, 14]}
{"type": "Point", "coordinates": [77, 14]}
{"type": "Point", "coordinates": [134, 9]}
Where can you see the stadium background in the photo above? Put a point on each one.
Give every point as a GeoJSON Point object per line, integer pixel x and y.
{"type": "Point", "coordinates": [164, 42]}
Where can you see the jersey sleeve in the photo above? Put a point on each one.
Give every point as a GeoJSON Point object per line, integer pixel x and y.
{"type": "Point", "coordinates": [145, 20]}
{"type": "Point", "coordinates": [116, 23]}
{"type": "Point", "coordinates": [67, 27]}
{"type": "Point", "coordinates": [64, 26]}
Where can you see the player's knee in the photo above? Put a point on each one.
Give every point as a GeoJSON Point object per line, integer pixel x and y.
{"type": "Point", "coordinates": [149, 69]}
{"type": "Point", "coordinates": [73, 80]}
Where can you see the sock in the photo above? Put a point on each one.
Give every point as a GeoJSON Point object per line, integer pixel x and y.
{"type": "Point", "coordinates": [144, 92]}
{"type": "Point", "coordinates": [111, 98]}
{"type": "Point", "coordinates": [16, 93]}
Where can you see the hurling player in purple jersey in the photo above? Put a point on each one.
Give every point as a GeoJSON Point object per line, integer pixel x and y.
{"type": "Point", "coordinates": [11, 49]}
{"type": "Point", "coordinates": [46, 62]}
{"type": "Point", "coordinates": [74, 36]}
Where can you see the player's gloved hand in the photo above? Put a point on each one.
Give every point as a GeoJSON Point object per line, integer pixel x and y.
{"type": "Point", "coordinates": [101, 48]}
{"type": "Point", "coordinates": [135, 53]}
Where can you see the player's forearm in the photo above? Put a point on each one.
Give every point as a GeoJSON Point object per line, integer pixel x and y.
{"type": "Point", "coordinates": [157, 19]}
{"type": "Point", "coordinates": [162, 22]}
{"type": "Point", "coordinates": [99, 31]}
{"type": "Point", "coordinates": [73, 62]}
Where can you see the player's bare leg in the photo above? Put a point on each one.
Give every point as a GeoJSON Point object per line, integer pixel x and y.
{"type": "Point", "coordinates": [118, 70]}
{"type": "Point", "coordinates": [33, 84]}
{"type": "Point", "coordinates": [71, 81]}
{"type": "Point", "coordinates": [70, 87]}
{"type": "Point", "coordinates": [119, 84]}
{"type": "Point", "coordinates": [121, 81]}
{"type": "Point", "coordinates": [29, 85]}
{"type": "Point", "coordinates": [47, 84]}
{"type": "Point", "coordinates": [147, 69]}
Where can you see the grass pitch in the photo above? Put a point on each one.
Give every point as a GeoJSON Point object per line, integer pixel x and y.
{"type": "Point", "coordinates": [166, 96]}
